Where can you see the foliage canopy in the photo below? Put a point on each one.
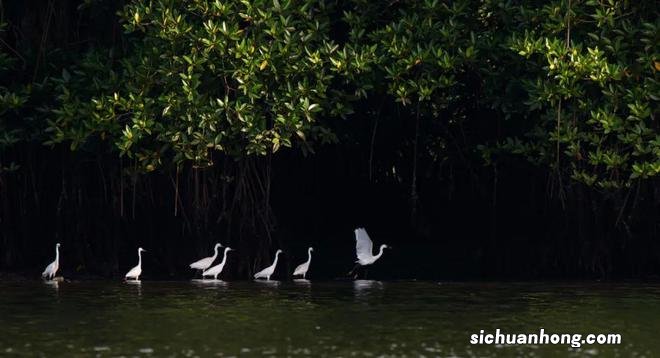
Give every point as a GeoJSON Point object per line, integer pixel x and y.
{"type": "Point", "coordinates": [566, 87]}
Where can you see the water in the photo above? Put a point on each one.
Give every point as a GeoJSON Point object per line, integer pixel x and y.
{"type": "Point", "coordinates": [362, 318]}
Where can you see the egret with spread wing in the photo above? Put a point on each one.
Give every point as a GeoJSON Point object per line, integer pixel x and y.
{"type": "Point", "coordinates": [135, 272]}
{"type": "Point", "coordinates": [217, 269]}
{"type": "Point", "coordinates": [302, 268]}
{"type": "Point", "coordinates": [51, 269]}
{"type": "Point", "coordinates": [364, 249]}
{"type": "Point", "coordinates": [268, 271]}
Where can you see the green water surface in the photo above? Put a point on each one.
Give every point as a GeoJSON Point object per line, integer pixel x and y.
{"type": "Point", "coordinates": [338, 319]}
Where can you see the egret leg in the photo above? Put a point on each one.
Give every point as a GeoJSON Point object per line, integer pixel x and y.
{"type": "Point", "coordinates": [353, 270]}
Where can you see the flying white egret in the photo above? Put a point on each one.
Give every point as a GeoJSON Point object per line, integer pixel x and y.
{"type": "Point", "coordinates": [206, 262]}
{"type": "Point", "coordinates": [302, 268]}
{"type": "Point", "coordinates": [51, 269]}
{"type": "Point", "coordinates": [136, 271]}
{"type": "Point", "coordinates": [268, 271]}
{"type": "Point", "coordinates": [217, 269]}
{"type": "Point", "coordinates": [364, 249]}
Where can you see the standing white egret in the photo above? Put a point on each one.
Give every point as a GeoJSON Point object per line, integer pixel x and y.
{"type": "Point", "coordinates": [268, 271]}
{"type": "Point", "coordinates": [364, 249]}
{"type": "Point", "coordinates": [302, 268]}
{"type": "Point", "coordinates": [51, 269]}
{"type": "Point", "coordinates": [217, 269]}
{"type": "Point", "coordinates": [136, 271]}
{"type": "Point", "coordinates": [206, 262]}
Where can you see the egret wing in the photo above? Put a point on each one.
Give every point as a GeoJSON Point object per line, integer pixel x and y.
{"type": "Point", "coordinates": [217, 269]}
{"type": "Point", "coordinates": [48, 269]}
{"type": "Point", "coordinates": [133, 272]}
{"type": "Point", "coordinates": [209, 272]}
{"type": "Point", "coordinates": [363, 244]}
{"type": "Point", "coordinates": [300, 269]}
{"type": "Point", "coordinates": [200, 264]}
{"type": "Point", "coordinates": [262, 273]}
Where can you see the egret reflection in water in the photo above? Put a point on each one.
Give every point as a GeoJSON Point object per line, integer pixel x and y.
{"type": "Point", "coordinates": [366, 287]}
{"type": "Point", "coordinates": [137, 284]}
{"type": "Point", "coordinates": [55, 284]}
{"type": "Point", "coordinates": [266, 283]}
{"type": "Point", "coordinates": [209, 283]}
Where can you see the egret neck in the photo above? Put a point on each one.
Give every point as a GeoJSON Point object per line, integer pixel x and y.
{"type": "Point", "coordinates": [380, 252]}
{"type": "Point", "coordinates": [215, 253]}
{"type": "Point", "coordinates": [224, 257]}
{"type": "Point", "coordinates": [277, 255]}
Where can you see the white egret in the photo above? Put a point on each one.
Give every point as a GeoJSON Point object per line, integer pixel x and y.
{"type": "Point", "coordinates": [136, 271]}
{"type": "Point", "coordinates": [217, 269]}
{"type": "Point", "coordinates": [268, 271]}
{"type": "Point", "coordinates": [206, 262]}
{"type": "Point", "coordinates": [364, 249]}
{"type": "Point", "coordinates": [302, 268]}
{"type": "Point", "coordinates": [51, 269]}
